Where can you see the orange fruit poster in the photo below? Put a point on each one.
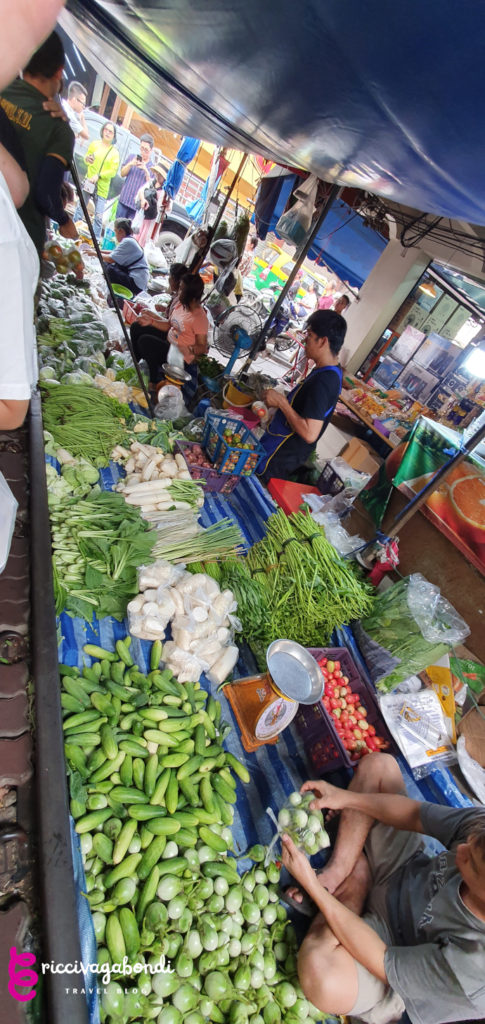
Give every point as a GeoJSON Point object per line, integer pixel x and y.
{"type": "Point", "coordinates": [458, 504]}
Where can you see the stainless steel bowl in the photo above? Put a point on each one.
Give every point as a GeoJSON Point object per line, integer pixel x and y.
{"type": "Point", "coordinates": [295, 671]}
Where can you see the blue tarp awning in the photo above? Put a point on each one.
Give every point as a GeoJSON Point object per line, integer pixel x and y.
{"type": "Point", "coordinates": [386, 97]}
{"type": "Point", "coordinates": [346, 245]}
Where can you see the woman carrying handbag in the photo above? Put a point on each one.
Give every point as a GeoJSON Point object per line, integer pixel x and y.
{"type": "Point", "coordinates": [102, 159]}
{"type": "Point", "coordinates": [149, 197]}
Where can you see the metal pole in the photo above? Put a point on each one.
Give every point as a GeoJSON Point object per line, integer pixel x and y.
{"type": "Point", "coordinates": [408, 511]}
{"type": "Point", "coordinates": [213, 228]}
{"type": "Point", "coordinates": [229, 192]}
{"type": "Point", "coordinates": [258, 344]}
{"type": "Point", "coordinates": [109, 285]}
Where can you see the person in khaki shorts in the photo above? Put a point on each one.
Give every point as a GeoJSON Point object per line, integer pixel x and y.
{"type": "Point", "coordinates": [420, 944]}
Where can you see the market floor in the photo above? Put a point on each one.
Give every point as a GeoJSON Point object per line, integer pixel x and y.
{"type": "Point", "coordinates": [17, 906]}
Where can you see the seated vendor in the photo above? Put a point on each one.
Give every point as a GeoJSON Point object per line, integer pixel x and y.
{"type": "Point", "coordinates": [126, 263]}
{"type": "Point", "coordinates": [303, 414]}
{"type": "Point", "coordinates": [420, 944]}
{"type": "Point", "coordinates": [185, 327]}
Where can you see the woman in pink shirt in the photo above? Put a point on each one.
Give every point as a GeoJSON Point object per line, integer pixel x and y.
{"type": "Point", "coordinates": [187, 328]}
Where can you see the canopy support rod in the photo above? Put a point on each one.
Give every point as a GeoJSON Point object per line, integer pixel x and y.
{"type": "Point", "coordinates": [409, 510]}
{"type": "Point", "coordinates": [334, 193]}
{"type": "Point", "coordinates": [114, 299]}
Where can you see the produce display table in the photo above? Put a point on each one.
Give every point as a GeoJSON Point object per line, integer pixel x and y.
{"type": "Point", "coordinates": [365, 419]}
{"type": "Point", "coordinates": [275, 770]}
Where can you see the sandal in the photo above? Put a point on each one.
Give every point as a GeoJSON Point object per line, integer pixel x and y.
{"type": "Point", "coordinates": [306, 907]}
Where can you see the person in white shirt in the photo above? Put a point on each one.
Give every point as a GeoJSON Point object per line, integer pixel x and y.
{"type": "Point", "coordinates": [19, 272]}
{"type": "Point", "coordinates": [24, 26]}
{"type": "Point", "coordinates": [74, 107]}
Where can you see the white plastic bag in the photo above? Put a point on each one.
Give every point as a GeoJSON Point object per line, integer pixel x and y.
{"type": "Point", "coordinates": [170, 404]}
{"type": "Point", "coordinates": [154, 256]}
{"type": "Point", "coordinates": [424, 707]}
{"type": "Point", "coordinates": [137, 221]}
{"type": "Point", "coordinates": [175, 357]}
{"type": "Point", "coordinates": [8, 512]}
{"type": "Point", "coordinates": [294, 225]}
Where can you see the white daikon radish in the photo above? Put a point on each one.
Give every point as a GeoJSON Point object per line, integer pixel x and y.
{"type": "Point", "coordinates": [200, 614]}
{"type": "Point", "coordinates": [177, 600]}
{"type": "Point", "coordinates": [223, 635]}
{"type": "Point", "coordinates": [224, 665]}
{"type": "Point", "coordinates": [153, 625]}
{"type": "Point", "coordinates": [149, 469]}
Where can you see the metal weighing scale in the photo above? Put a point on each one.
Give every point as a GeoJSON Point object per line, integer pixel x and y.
{"type": "Point", "coordinates": [174, 375]}
{"type": "Point", "coordinates": [265, 704]}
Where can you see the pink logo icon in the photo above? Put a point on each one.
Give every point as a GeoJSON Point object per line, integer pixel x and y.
{"type": "Point", "coordinates": [23, 977]}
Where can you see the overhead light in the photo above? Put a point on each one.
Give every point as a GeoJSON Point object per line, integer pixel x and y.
{"type": "Point", "coordinates": [475, 363]}
{"type": "Point", "coordinates": [428, 289]}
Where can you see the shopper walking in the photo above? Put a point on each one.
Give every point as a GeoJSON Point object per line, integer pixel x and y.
{"type": "Point", "coordinates": [150, 197]}
{"type": "Point", "coordinates": [136, 171]}
{"type": "Point", "coordinates": [102, 162]}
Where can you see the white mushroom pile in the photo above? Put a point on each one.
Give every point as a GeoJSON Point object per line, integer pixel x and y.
{"type": "Point", "coordinates": [202, 619]}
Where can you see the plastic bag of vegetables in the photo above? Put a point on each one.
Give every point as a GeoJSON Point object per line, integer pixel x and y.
{"type": "Point", "coordinates": [305, 827]}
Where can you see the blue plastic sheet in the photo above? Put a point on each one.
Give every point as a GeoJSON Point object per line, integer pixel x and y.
{"type": "Point", "coordinates": [378, 96]}
{"type": "Point", "coordinates": [87, 937]}
{"type": "Point", "coordinates": [275, 770]}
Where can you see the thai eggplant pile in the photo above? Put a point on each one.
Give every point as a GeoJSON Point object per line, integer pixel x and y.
{"type": "Point", "coordinates": [152, 793]}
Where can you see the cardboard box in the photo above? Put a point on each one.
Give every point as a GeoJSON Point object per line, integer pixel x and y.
{"type": "Point", "coordinates": [360, 455]}
{"type": "Point", "coordinates": [472, 727]}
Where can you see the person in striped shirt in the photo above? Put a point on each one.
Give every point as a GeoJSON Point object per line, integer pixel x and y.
{"type": "Point", "coordinates": [136, 172]}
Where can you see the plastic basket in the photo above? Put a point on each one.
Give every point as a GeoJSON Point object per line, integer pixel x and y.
{"type": "Point", "coordinates": [329, 481]}
{"type": "Point", "coordinates": [216, 483]}
{"type": "Point", "coordinates": [228, 459]}
{"type": "Point", "coordinates": [323, 745]}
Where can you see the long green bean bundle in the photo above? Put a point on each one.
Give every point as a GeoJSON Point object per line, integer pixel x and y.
{"type": "Point", "coordinates": [84, 420]}
{"type": "Point", "coordinates": [308, 589]}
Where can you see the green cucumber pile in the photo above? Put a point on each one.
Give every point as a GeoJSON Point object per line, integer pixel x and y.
{"type": "Point", "coordinates": [152, 794]}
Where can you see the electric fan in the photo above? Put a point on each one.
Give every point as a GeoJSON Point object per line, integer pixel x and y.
{"type": "Point", "coordinates": [237, 329]}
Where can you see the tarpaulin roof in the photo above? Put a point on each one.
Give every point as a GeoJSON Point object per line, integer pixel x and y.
{"type": "Point", "coordinates": [383, 96]}
{"type": "Point", "coordinates": [346, 245]}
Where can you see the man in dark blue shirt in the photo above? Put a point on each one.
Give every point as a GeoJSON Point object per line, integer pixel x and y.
{"type": "Point", "coordinates": [303, 414]}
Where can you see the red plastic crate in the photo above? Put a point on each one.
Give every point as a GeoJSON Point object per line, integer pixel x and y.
{"type": "Point", "coordinates": [215, 483]}
{"type": "Point", "coordinates": [323, 745]}
{"type": "Point", "coordinates": [289, 495]}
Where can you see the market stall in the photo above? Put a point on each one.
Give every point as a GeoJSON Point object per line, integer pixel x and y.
{"type": "Point", "coordinates": [154, 594]}
{"type": "Point", "coordinates": [165, 586]}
